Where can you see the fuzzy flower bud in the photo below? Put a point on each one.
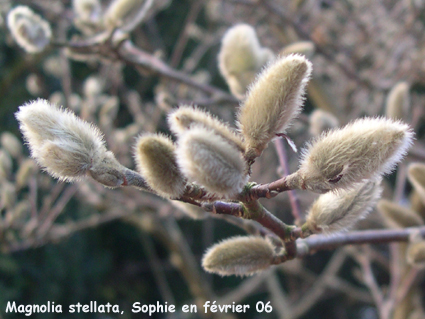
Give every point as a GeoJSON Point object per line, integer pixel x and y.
{"type": "Point", "coordinates": [11, 144]}
{"type": "Point", "coordinates": [241, 255]}
{"type": "Point", "coordinates": [66, 146]}
{"type": "Point", "coordinates": [126, 14]}
{"type": "Point", "coordinates": [397, 216]}
{"type": "Point", "coordinates": [210, 160]}
{"type": "Point", "coordinates": [302, 47]}
{"type": "Point", "coordinates": [416, 176]}
{"type": "Point", "coordinates": [184, 117]}
{"type": "Point", "coordinates": [398, 101]}
{"type": "Point", "coordinates": [241, 58]}
{"type": "Point", "coordinates": [321, 121]}
{"type": "Point", "coordinates": [29, 30]}
{"type": "Point", "coordinates": [415, 253]}
{"type": "Point", "coordinates": [340, 210]}
{"type": "Point", "coordinates": [156, 161]}
{"type": "Point", "coordinates": [361, 150]}
{"type": "Point", "coordinates": [273, 101]}
{"type": "Point", "coordinates": [87, 11]}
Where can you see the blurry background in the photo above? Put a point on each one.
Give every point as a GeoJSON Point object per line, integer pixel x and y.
{"type": "Point", "coordinates": [80, 242]}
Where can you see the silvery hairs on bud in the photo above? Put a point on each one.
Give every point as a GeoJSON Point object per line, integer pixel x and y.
{"type": "Point", "coordinates": [240, 255]}
{"type": "Point", "coordinates": [363, 149]}
{"type": "Point", "coordinates": [29, 30]}
{"type": "Point", "coordinates": [181, 119]}
{"type": "Point", "coordinates": [273, 101]}
{"type": "Point", "coordinates": [340, 210]}
{"type": "Point", "coordinates": [156, 160]}
{"type": "Point", "coordinates": [212, 161]}
{"type": "Point", "coordinates": [66, 146]}
{"type": "Point", "coordinates": [241, 58]}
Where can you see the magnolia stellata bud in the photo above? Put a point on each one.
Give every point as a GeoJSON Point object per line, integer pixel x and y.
{"type": "Point", "coordinates": [5, 164]}
{"type": "Point", "coordinates": [272, 102]}
{"type": "Point", "coordinates": [398, 101]}
{"type": "Point", "coordinates": [11, 144]}
{"type": "Point", "coordinates": [210, 160]}
{"type": "Point", "coordinates": [397, 216]}
{"type": "Point", "coordinates": [184, 117]}
{"type": "Point", "coordinates": [156, 161]}
{"type": "Point", "coordinates": [302, 47]}
{"type": "Point", "coordinates": [126, 14]}
{"type": "Point", "coordinates": [87, 11]}
{"type": "Point", "coordinates": [29, 30]}
{"type": "Point", "coordinates": [66, 146]}
{"type": "Point", "coordinates": [241, 255]}
{"type": "Point", "coordinates": [416, 176]}
{"type": "Point", "coordinates": [415, 253]}
{"type": "Point", "coordinates": [363, 149]}
{"type": "Point", "coordinates": [241, 58]}
{"type": "Point", "coordinates": [340, 210]}
{"type": "Point", "coordinates": [25, 171]}
{"type": "Point", "coordinates": [321, 121]}
{"type": "Point", "coordinates": [7, 194]}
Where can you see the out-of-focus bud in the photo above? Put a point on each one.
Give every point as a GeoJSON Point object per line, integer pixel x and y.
{"type": "Point", "coordinates": [34, 84]}
{"type": "Point", "coordinates": [415, 253]}
{"type": "Point", "coordinates": [29, 30]}
{"type": "Point", "coordinates": [272, 102]}
{"type": "Point", "coordinates": [5, 164]}
{"type": "Point", "coordinates": [11, 144]}
{"type": "Point", "coordinates": [185, 117]}
{"type": "Point", "coordinates": [321, 121]}
{"type": "Point", "coordinates": [156, 161]}
{"type": "Point", "coordinates": [210, 160]}
{"type": "Point", "coordinates": [87, 11]}
{"type": "Point", "coordinates": [241, 58]}
{"type": "Point", "coordinates": [241, 255]}
{"type": "Point", "coordinates": [302, 47]}
{"type": "Point", "coordinates": [93, 86]}
{"type": "Point", "coordinates": [361, 150]}
{"type": "Point", "coordinates": [7, 195]}
{"type": "Point", "coordinates": [339, 211]}
{"type": "Point", "coordinates": [416, 176]}
{"type": "Point", "coordinates": [25, 171]}
{"type": "Point", "coordinates": [398, 101]}
{"type": "Point", "coordinates": [397, 216]}
{"type": "Point", "coordinates": [126, 14]}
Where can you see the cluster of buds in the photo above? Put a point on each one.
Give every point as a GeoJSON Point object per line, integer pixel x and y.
{"type": "Point", "coordinates": [345, 165]}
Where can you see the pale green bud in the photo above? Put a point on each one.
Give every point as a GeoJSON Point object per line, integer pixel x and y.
{"type": "Point", "coordinates": [66, 146]}
{"type": "Point", "coordinates": [397, 216]}
{"type": "Point", "coordinates": [241, 255]}
{"type": "Point", "coordinates": [156, 161]}
{"type": "Point", "coordinates": [241, 58]}
{"type": "Point", "coordinates": [273, 101]}
{"type": "Point", "coordinates": [185, 117]}
{"type": "Point", "coordinates": [398, 101]}
{"type": "Point", "coordinates": [361, 150]}
{"type": "Point", "coordinates": [340, 210]}
{"type": "Point", "coordinates": [29, 30]}
{"type": "Point", "coordinates": [210, 160]}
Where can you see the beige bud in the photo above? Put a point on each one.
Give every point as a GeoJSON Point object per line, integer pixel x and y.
{"type": "Point", "coordinates": [29, 30]}
{"type": "Point", "coordinates": [241, 255]}
{"type": "Point", "coordinates": [25, 171]}
{"type": "Point", "coordinates": [398, 101]}
{"type": "Point", "coordinates": [66, 146]}
{"type": "Point", "coordinates": [7, 195]}
{"type": "Point", "coordinates": [87, 11]}
{"type": "Point", "coordinates": [306, 48]}
{"type": "Point", "coordinates": [156, 161]}
{"type": "Point", "coordinates": [340, 210]}
{"type": "Point", "coordinates": [210, 160]}
{"type": "Point", "coordinates": [321, 121]}
{"type": "Point", "coordinates": [185, 117]}
{"type": "Point", "coordinates": [416, 176]}
{"type": "Point", "coordinates": [126, 14]}
{"type": "Point", "coordinates": [397, 216]}
{"type": "Point", "coordinates": [363, 149]}
{"type": "Point", "coordinates": [273, 101]}
{"type": "Point", "coordinates": [241, 58]}
{"type": "Point", "coordinates": [5, 164]}
{"type": "Point", "coordinates": [415, 254]}
{"type": "Point", "coordinates": [92, 87]}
